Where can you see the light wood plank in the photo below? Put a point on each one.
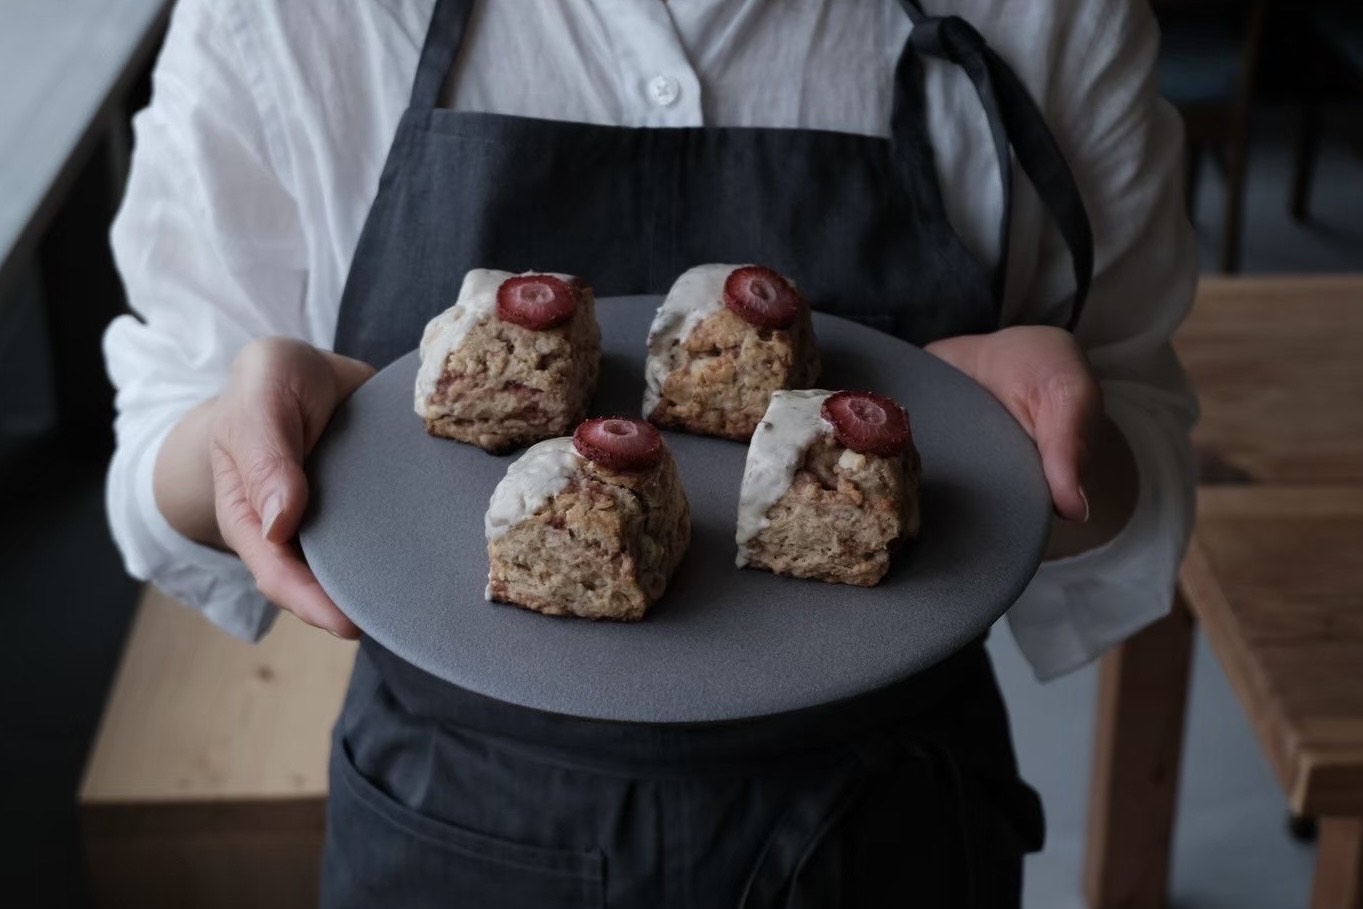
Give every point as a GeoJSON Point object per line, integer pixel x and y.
{"type": "Point", "coordinates": [1275, 577]}
{"type": "Point", "coordinates": [1276, 365]}
{"type": "Point", "coordinates": [1228, 504]}
{"type": "Point", "coordinates": [1142, 695]}
{"type": "Point", "coordinates": [195, 715]}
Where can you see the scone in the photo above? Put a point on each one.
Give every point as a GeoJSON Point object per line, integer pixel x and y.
{"type": "Point", "coordinates": [513, 361]}
{"type": "Point", "coordinates": [725, 338]}
{"type": "Point", "coordinates": [591, 526]}
{"type": "Point", "coordinates": [830, 488]}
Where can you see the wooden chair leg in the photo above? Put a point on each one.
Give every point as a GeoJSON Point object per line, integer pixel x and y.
{"type": "Point", "coordinates": [1192, 174]}
{"type": "Point", "coordinates": [1305, 157]}
{"type": "Point", "coordinates": [1237, 138]}
{"type": "Point", "coordinates": [1339, 864]}
{"type": "Point", "coordinates": [1142, 697]}
{"type": "Point", "coordinates": [1232, 230]}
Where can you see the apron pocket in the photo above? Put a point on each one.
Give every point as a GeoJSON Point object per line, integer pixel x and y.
{"type": "Point", "coordinates": [379, 852]}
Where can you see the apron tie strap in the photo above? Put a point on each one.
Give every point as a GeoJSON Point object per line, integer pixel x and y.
{"type": "Point", "coordinates": [1016, 121]}
{"type": "Point", "coordinates": [948, 38]}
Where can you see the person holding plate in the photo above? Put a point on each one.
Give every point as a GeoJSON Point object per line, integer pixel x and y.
{"type": "Point", "coordinates": [996, 181]}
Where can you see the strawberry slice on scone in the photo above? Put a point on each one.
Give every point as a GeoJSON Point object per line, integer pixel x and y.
{"type": "Point", "coordinates": [619, 444]}
{"type": "Point", "coordinates": [537, 302]}
{"type": "Point", "coordinates": [762, 297]}
{"type": "Point", "coordinates": [866, 422]}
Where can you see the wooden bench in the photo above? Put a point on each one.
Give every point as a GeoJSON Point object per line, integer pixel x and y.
{"type": "Point", "coordinates": [207, 783]}
{"type": "Point", "coordinates": [1274, 578]}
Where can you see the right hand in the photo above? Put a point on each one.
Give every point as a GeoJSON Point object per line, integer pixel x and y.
{"type": "Point", "coordinates": [280, 398]}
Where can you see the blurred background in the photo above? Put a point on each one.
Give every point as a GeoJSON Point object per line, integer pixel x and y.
{"type": "Point", "coordinates": [1273, 97]}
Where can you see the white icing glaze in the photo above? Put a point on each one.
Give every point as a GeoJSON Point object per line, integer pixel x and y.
{"type": "Point", "coordinates": [851, 460]}
{"type": "Point", "coordinates": [532, 480]}
{"type": "Point", "coordinates": [476, 303]}
{"type": "Point", "coordinates": [694, 297]}
{"type": "Point", "coordinates": [792, 423]}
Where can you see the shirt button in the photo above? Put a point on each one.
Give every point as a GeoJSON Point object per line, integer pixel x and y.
{"type": "Point", "coordinates": [663, 90]}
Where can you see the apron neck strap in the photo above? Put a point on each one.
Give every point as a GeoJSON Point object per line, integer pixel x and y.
{"type": "Point", "coordinates": [444, 37]}
{"type": "Point", "coordinates": [914, 11]}
{"type": "Point", "coordinates": [1018, 129]}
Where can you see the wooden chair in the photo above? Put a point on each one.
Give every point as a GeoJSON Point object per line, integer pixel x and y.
{"type": "Point", "coordinates": [1336, 31]}
{"type": "Point", "coordinates": [1273, 579]}
{"type": "Point", "coordinates": [1209, 54]}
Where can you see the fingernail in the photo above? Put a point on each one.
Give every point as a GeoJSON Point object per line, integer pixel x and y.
{"type": "Point", "coordinates": [269, 513]}
{"type": "Point", "coordinates": [1083, 497]}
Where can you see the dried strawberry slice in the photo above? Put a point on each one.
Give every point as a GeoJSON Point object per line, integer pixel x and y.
{"type": "Point", "coordinates": [537, 302]}
{"type": "Point", "coordinates": [762, 297]}
{"type": "Point", "coordinates": [620, 444]}
{"type": "Point", "coordinates": [866, 422]}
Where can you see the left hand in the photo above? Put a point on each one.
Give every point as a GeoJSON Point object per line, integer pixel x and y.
{"type": "Point", "coordinates": [1042, 376]}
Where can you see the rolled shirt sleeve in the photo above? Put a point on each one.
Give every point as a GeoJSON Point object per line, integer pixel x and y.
{"type": "Point", "coordinates": [1125, 146]}
{"type": "Point", "coordinates": [208, 243]}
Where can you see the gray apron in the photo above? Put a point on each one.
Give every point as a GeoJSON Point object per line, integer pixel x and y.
{"type": "Point", "coordinates": [910, 795]}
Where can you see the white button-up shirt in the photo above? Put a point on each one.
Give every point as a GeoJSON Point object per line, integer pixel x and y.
{"type": "Point", "coordinates": [258, 159]}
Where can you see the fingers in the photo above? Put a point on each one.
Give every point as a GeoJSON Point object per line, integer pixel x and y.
{"type": "Point", "coordinates": [350, 374]}
{"type": "Point", "coordinates": [1040, 374]}
{"type": "Point", "coordinates": [288, 394]}
{"type": "Point", "coordinates": [961, 352]}
{"type": "Point", "coordinates": [283, 392]}
{"type": "Point", "coordinates": [1068, 410]}
{"type": "Point", "coordinates": [267, 449]}
{"type": "Point", "coordinates": [282, 576]}
{"type": "Point", "coordinates": [285, 580]}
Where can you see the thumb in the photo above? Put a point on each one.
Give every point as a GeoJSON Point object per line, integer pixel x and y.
{"type": "Point", "coordinates": [350, 374]}
{"type": "Point", "coordinates": [268, 451]}
{"type": "Point", "coordinates": [1067, 416]}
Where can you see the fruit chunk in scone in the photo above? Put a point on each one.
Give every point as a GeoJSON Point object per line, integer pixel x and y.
{"type": "Point", "coordinates": [830, 488]}
{"type": "Point", "coordinates": [591, 526]}
{"type": "Point", "coordinates": [514, 361]}
{"type": "Point", "coordinates": [725, 338]}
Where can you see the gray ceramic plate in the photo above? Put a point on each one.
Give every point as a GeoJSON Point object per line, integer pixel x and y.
{"type": "Point", "coordinates": [396, 538]}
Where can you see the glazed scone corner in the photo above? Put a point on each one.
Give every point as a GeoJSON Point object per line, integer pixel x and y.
{"type": "Point", "coordinates": [711, 372]}
{"type": "Point", "coordinates": [568, 537]}
{"type": "Point", "coordinates": [810, 507]}
{"type": "Point", "coordinates": [499, 385]}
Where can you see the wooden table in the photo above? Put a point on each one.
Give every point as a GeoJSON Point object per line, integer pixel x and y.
{"type": "Point", "coordinates": [1278, 368]}
{"type": "Point", "coordinates": [207, 783]}
{"type": "Point", "coordinates": [1274, 577]}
